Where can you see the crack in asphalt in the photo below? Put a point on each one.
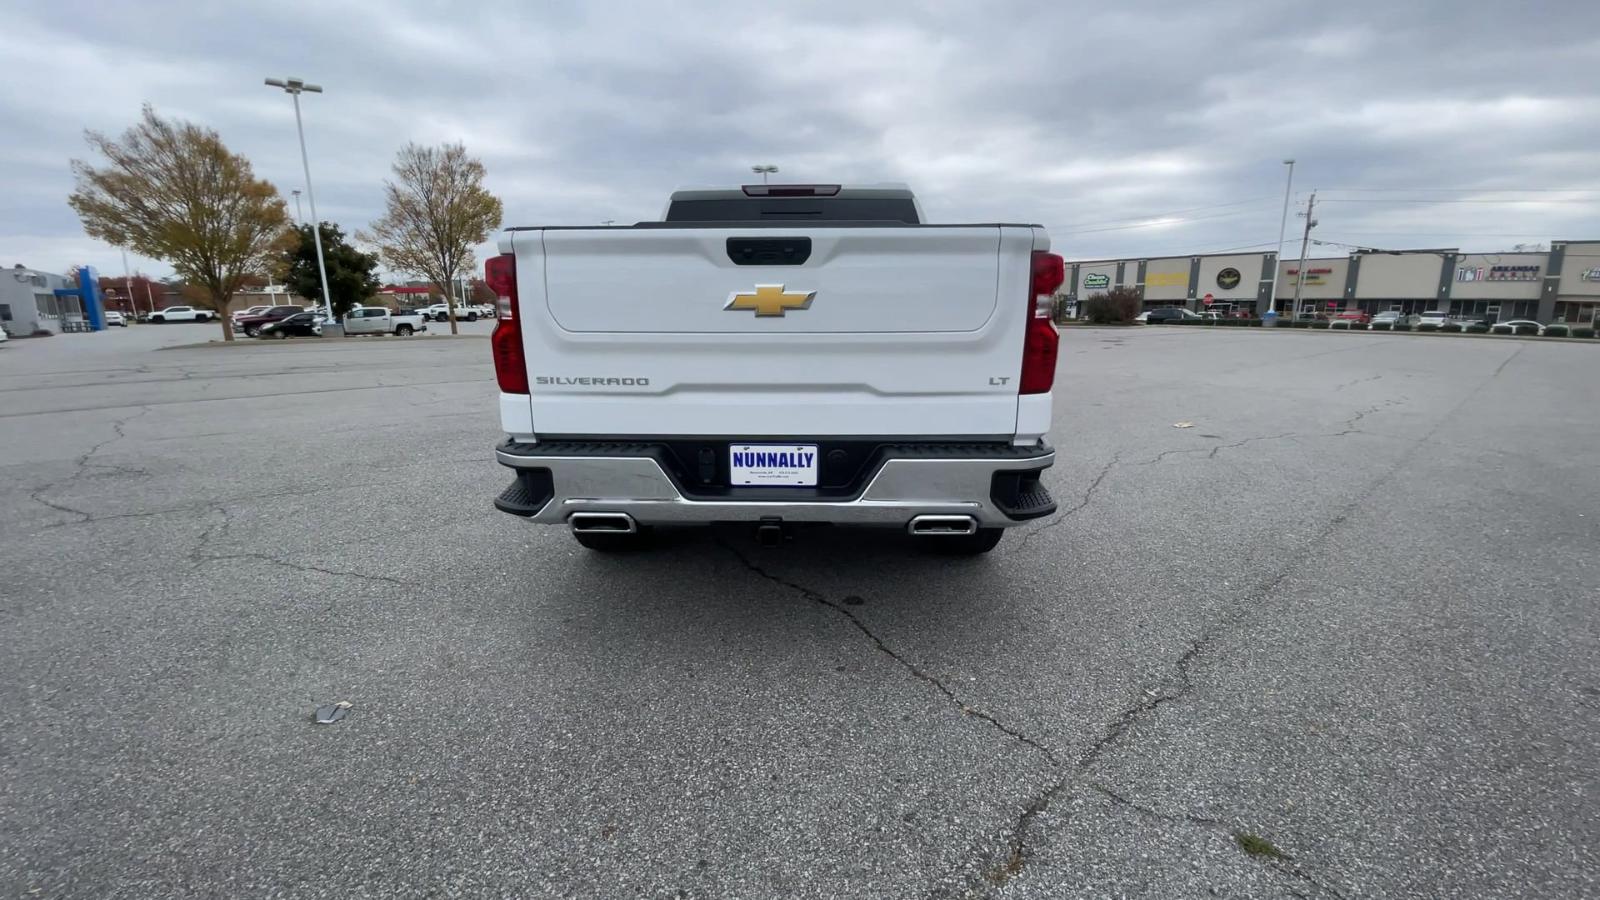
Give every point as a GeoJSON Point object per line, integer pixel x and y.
{"type": "Point", "coordinates": [882, 647]}
{"type": "Point", "coordinates": [988, 874]}
{"type": "Point", "coordinates": [1085, 500]}
{"type": "Point", "coordinates": [197, 556]}
{"type": "Point", "coordinates": [84, 462]}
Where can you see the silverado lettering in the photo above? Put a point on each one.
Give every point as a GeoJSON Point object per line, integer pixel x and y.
{"type": "Point", "coordinates": [841, 415]}
{"type": "Point", "coordinates": [600, 382]}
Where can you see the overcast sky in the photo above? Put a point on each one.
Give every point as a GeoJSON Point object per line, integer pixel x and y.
{"type": "Point", "coordinates": [1127, 129]}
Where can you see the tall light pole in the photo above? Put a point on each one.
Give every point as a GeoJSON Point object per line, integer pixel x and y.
{"type": "Point", "coordinates": [127, 283]}
{"type": "Point", "coordinates": [764, 171]}
{"type": "Point", "coordinates": [299, 214]}
{"type": "Point", "coordinates": [1283, 225]}
{"type": "Point", "coordinates": [294, 87]}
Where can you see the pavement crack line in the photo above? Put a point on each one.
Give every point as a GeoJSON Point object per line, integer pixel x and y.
{"type": "Point", "coordinates": [82, 463]}
{"type": "Point", "coordinates": [916, 671]}
{"type": "Point", "coordinates": [1085, 500]}
{"type": "Point", "coordinates": [997, 873]}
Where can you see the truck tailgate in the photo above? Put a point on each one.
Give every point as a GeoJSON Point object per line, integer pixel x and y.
{"type": "Point", "coordinates": [774, 332]}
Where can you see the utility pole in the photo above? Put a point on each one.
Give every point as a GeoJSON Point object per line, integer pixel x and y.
{"type": "Point", "coordinates": [1305, 240]}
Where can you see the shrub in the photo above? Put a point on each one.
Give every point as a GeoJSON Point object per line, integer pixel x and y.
{"type": "Point", "coordinates": [1382, 326]}
{"type": "Point", "coordinates": [1401, 326]}
{"type": "Point", "coordinates": [1556, 331]}
{"type": "Point", "coordinates": [1477, 328]}
{"type": "Point", "coordinates": [1501, 329]}
{"type": "Point", "coordinates": [1302, 323]}
{"type": "Point", "coordinates": [1525, 329]}
{"type": "Point", "coordinates": [1321, 323]}
{"type": "Point", "coordinates": [1583, 332]}
{"type": "Point", "coordinates": [1427, 326]}
{"type": "Point", "coordinates": [1117, 306]}
{"type": "Point", "coordinates": [1452, 327]}
{"type": "Point", "coordinates": [1257, 323]}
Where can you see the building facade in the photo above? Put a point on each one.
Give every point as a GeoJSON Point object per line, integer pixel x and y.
{"type": "Point", "coordinates": [1559, 285]}
{"type": "Point", "coordinates": [28, 302]}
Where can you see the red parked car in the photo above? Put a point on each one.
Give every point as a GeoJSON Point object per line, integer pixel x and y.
{"type": "Point", "coordinates": [1354, 317]}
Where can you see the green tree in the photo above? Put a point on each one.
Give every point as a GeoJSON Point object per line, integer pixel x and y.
{"type": "Point", "coordinates": [437, 210]}
{"type": "Point", "coordinates": [352, 275]}
{"type": "Point", "coordinates": [171, 190]}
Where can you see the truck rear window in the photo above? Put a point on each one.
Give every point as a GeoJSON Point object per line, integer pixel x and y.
{"type": "Point", "coordinates": [794, 209]}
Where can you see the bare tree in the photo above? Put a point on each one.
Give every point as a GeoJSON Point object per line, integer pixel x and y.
{"type": "Point", "coordinates": [171, 190]}
{"type": "Point", "coordinates": [437, 211]}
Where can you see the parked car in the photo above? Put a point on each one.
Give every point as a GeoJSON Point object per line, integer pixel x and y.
{"type": "Point", "coordinates": [1433, 320]}
{"type": "Point", "coordinates": [301, 324]}
{"type": "Point", "coordinates": [115, 318]}
{"type": "Point", "coordinates": [181, 314]}
{"type": "Point", "coordinates": [243, 313]}
{"type": "Point", "coordinates": [379, 320]}
{"type": "Point", "coordinates": [1354, 317]}
{"type": "Point", "coordinates": [1395, 317]}
{"type": "Point", "coordinates": [1168, 314]}
{"type": "Point", "coordinates": [1518, 326]}
{"type": "Point", "coordinates": [252, 325]}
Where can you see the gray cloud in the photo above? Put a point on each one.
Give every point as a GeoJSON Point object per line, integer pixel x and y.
{"type": "Point", "coordinates": [1100, 123]}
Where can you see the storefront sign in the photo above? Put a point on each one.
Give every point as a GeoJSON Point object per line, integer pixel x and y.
{"type": "Point", "coordinates": [1166, 279]}
{"type": "Point", "coordinates": [1228, 279]}
{"type": "Point", "coordinates": [1592, 274]}
{"type": "Point", "coordinates": [1313, 276]}
{"type": "Point", "coordinates": [1096, 280]}
{"type": "Point", "coordinates": [1497, 273]}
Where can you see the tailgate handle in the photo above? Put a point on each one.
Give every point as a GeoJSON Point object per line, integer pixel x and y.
{"type": "Point", "coordinates": [763, 251]}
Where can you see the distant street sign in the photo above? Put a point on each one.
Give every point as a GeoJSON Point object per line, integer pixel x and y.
{"type": "Point", "coordinates": [1208, 299]}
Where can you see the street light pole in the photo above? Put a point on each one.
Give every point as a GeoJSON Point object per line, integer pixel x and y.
{"type": "Point", "coordinates": [127, 283]}
{"type": "Point", "coordinates": [299, 213]}
{"type": "Point", "coordinates": [764, 171]}
{"type": "Point", "coordinates": [293, 87]}
{"type": "Point", "coordinates": [1283, 225]}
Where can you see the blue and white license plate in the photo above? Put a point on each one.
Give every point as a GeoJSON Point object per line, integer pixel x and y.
{"type": "Point", "coordinates": [773, 465]}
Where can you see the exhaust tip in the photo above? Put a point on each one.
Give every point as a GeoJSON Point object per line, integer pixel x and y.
{"type": "Point", "coordinates": [602, 523]}
{"type": "Point", "coordinates": [942, 525]}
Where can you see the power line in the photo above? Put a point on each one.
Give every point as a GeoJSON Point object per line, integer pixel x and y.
{"type": "Point", "coordinates": [1153, 222]}
{"type": "Point", "coordinates": [1173, 212]}
{"type": "Point", "coordinates": [1589, 200]}
{"type": "Point", "coordinates": [1476, 190]}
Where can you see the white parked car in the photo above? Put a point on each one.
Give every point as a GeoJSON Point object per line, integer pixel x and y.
{"type": "Point", "coordinates": [379, 320]}
{"type": "Point", "coordinates": [182, 314]}
{"type": "Point", "coordinates": [1434, 319]}
{"type": "Point", "coordinates": [115, 318]}
{"type": "Point", "coordinates": [1395, 317]}
{"type": "Point", "coordinates": [798, 371]}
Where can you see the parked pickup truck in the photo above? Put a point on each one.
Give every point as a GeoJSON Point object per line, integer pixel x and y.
{"type": "Point", "coordinates": [181, 314]}
{"type": "Point", "coordinates": [378, 320]}
{"type": "Point", "coordinates": [439, 312]}
{"type": "Point", "coordinates": [777, 356]}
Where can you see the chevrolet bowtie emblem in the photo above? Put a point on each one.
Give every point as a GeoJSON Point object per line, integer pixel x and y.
{"type": "Point", "coordinates": [770, 300]}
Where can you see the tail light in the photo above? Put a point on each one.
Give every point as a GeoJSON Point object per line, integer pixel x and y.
{"type": "Point", "coordinates": [1040, 343]}
{"type": "Point", "coordinates": [510, 365]}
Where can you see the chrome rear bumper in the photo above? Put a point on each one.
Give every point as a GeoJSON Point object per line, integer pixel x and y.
{"type": "Point", "coordinates": [900, 490]}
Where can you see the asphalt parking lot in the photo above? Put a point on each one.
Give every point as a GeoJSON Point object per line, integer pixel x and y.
{"type": "Point", "coordinates": [1347, 619]}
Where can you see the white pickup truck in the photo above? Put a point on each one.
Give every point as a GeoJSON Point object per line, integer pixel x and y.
{"type": "Point", "coordinates": [777, 356]}
{"type": "Point", "coordinates": [379, 320]}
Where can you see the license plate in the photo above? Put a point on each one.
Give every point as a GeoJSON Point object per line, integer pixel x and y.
{"type": "Point", "coordinates": [773, 465]}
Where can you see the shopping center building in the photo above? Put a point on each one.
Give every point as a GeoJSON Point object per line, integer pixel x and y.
{"type": "Point", "coordinates": [1558, 285]}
